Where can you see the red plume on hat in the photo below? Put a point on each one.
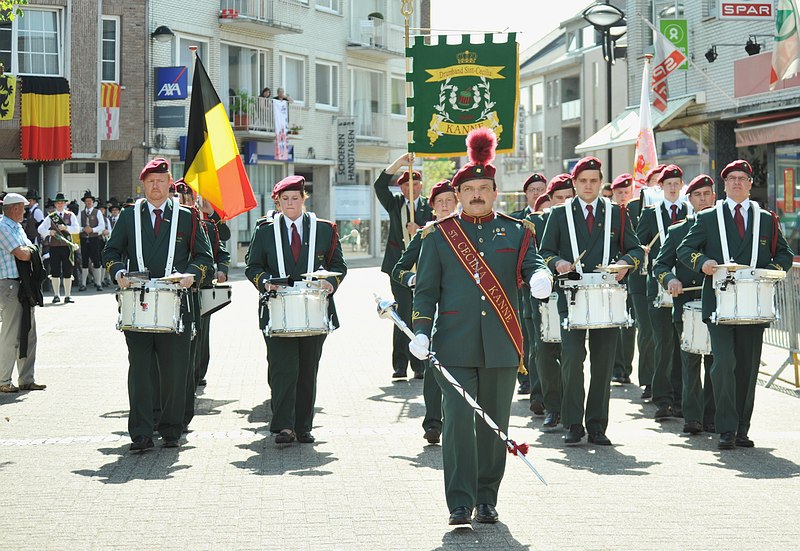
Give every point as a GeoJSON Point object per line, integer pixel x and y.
{"type": "Point", "coordinates": [481, 144]}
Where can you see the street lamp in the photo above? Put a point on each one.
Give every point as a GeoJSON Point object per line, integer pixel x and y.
{"type": "Point", "coordinates": [604, 17]}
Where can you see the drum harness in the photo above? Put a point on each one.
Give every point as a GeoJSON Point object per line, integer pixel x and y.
{"type": "Point", "coordinates": [573, 240]}
{"type": "Point", "coordinates": [723, 238]}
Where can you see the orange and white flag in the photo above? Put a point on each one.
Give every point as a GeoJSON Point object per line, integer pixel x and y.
{"type": "Point", "coordinates": [786, 55]}
{"type": "Point", "coordinates": [667, 59]}
{"type": "Point", "coordinates": [110, 93]}
{"type": "Point", "coordinates": [646, 157]}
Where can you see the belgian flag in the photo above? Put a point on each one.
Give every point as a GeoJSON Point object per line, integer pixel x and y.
{"type": "Point", "coordinates": [214, 168]}
{"type": "Point", "coordinates": [45, 127]}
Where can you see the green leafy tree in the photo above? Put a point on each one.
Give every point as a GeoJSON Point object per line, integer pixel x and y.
{"type": "Point", "coordinates": [9, 9]}
{"type": "Point", "coordinates": [434, 171]}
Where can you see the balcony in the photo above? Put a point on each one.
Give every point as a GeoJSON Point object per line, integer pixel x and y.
{"type": "Point", "coordinates": [571, 111]}
{"type": "Point", "coordinates": [376, 39]}
{"type": "Point", "coordinates": [262, 16]}
{"type": "Point", "coordinates": [372, 127]}
{"type": "Point", "coordinates": [259, 119]}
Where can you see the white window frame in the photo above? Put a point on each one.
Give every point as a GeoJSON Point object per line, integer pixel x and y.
{"type": "Point", "coordinates": [333, 6]}
{"type": "Point", "coordinates": [335, 87]}
{"type": "Point", "coordinates": [402, 113]}
{"type": "Point", "coordinates": [293, 93]}
{"type": "Point", "coordinates": [15, 64]}
{"type": "Point", "coordinates": [117, 27]}
{"type": "Point", "coordinates": [203, 56]}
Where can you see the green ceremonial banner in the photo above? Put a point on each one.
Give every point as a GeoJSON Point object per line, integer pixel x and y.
{"type": "Point", "coordinates": [459, 87]}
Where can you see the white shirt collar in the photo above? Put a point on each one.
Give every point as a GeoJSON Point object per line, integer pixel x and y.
{"type": "Point", "coordinates": [732, 205]}
{"type": "Point", "coordinates": [162, 206]}
{"type": "Point", "coordinates": [668, 205]}
{"type": "Point", "coordinates": [584, 204]}
{"type": "Point", "coordinates": [298, 221]}
{"type": "Point", "coordinates": [89, 211]}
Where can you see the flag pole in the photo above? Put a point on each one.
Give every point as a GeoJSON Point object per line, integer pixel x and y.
{"type": "Point", "coordinates": [407, 9]}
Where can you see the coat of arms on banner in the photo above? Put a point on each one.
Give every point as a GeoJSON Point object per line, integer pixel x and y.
{"type": "Point", "coordinates": [459, 87]}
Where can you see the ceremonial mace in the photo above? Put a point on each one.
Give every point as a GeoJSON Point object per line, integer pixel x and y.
{"type": "Point", "coordinates": [387, 310]}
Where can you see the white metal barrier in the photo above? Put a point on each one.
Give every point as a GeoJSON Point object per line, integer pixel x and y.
{"type": "Point", "coordinates": [785, 332]}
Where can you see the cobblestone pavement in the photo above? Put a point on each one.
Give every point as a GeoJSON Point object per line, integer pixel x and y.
{"type": "Point", "coordinates": [369, 482]}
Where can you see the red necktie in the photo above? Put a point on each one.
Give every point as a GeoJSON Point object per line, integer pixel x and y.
{"type": "Point", "coordinates": [295, 242]}
{"type": "Point", "coordinates": [590, 218]}
{"type": "Point", "coordinates": [738, 219]}
{"type": "Point", "coordinates": [674, 213]}
{"type": "Point", "coordinates": [157, 223]}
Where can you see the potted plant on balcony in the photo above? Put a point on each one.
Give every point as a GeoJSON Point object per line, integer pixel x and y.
{"type": "Point", "coordinates": [295, 129]}
{"type": "Point", "coordinates": [242, 105]}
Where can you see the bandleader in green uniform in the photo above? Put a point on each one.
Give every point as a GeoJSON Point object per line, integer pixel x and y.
{"type": "Point", "coordinates": [401, 230]}
{"type": "Point", "coordinates": [736, 348]}
{"type": "Point", "coordinates": [588, 213]}
{"type": "Point", "coordinates": [159, 363]}
{"type": "Point", "coordinates": [293, 361]}
{"type": "Point", "coordinates": [470, 268]}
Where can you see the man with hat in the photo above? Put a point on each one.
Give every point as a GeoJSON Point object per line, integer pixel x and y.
{"type": "Point", "coordinates": [93, 225]}
{"type": "Point", "coordinates": [674, 276]}
{"type": "Point", "coordinates": [15, 249]}
{"type": "Point", "coordinates": [622, 192]}
{"type": "Point", "coordinates": [161, 357]}
{"type": "Point", "coordinates": [56, 230]}
{"type": "Point", "coordinates": [443, 202]}
{"type": "Point", "coordinates": [533, 188]}
{"type": "Point", "coordinates": [652, 228]}
{"type": "Point", "coordinates": [293, 361]}
{"type": "Point", "coordinates": [401, 230]}
{"type": "Point", "coordinates": [736, 348]}
{"type": "Point", "coordinates": [588, 214]}
{"type": "Point", "coordinates": [33, 216]}
{"type": "Point", "coordinates": [548, 354]}
{"type": "Point", "coordinates": [469, 270]}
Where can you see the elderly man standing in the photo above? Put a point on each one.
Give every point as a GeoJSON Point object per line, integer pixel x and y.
{"type": "Point", "coordinates": [14, 247]}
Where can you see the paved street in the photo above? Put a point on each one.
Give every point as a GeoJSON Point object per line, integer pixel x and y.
{"type": "Point", "coordinates": [369, 482]}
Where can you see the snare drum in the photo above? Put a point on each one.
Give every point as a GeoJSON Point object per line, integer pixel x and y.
{"type": "Point", "coordinates": [214, 298]}
{"type": "Point", "coordinates": [596, 301]}
{"type": "Point", "coordinates": [663, 300]}
{"type": "Point", "coordinates": [299, 311]}
{"type": "Point", "coordinates": [746, 296]}
{"type": "Point", "coordinates": [150, 307]}
{"type": "Point", "coordinates": [695, 338]}
{"type": "Point", "coordinates": [551, 323]}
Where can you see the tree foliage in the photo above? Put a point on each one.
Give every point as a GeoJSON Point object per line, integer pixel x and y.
{"type": "Point", "coordinates": [434, 171]}
{"type": "Point", "coordinates": [9, 9]}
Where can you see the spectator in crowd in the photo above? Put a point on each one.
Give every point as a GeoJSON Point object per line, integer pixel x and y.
{"type": "Point", "coordinates": [266, 92]}
{"type": "Point", "coordinates": [281, 95]}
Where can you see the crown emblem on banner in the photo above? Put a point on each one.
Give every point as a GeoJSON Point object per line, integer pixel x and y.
{"type": "Point", "coordinates": [467, 57]}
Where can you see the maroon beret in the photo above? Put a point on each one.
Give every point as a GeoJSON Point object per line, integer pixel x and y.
{"type": "Point", "coordinates": [404, 178]}
{"type": "Point", "coordinates": [290, 183]}
{"type": "Point", "coordinates": [440, 187]}
{"type": "Point", "coordinates": [587, 163]}
{"type": "Point", "coordinates": [557, 183]}
{"type": "Point", "coordinates": [700, 181]}
{"type": "Point", "coordinates": [543, 198]}
{"type": "Point", "coordinates": [535, 177]}
{"type": "Point", "coordinates": [670, 171]}
{"type": "Point", "coordinates": [622, 181]}
{"type": "Point", "coordinates": [473, 171]}
{"type": "Point", "coordinates": [737, 165]}
{"type": "Point", "coordinates": [159, 165]}
{"type": "Point", "coordinates": [653, 172]}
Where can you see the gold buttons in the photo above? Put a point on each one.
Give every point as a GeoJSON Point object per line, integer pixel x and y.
{"type": "Point", "coordinates": [483, 297]}
{"type": "Point", "coordinates": [480, 240]}
{"type": "Point", "coordinates": [483, 312]}
{"type": "Point", "coordinates": [480, 227]}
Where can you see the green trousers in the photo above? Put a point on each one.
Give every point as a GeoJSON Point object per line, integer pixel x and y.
{"type": "Point", "coordinates": [548, 364]}
{"type": "Point", "coordinates": [602, 348]}
{"type": "Point", "coordinates": [644, 338]}
{"type": "Point", "coordinates": [401, 357]}
{"type": "Point", "coordinates": [194, 353]}
{"type": "Point", "coordinates": [626, 344]}
{"type": "Point", "coordinates": [432, 396]}
{"type": "Point", "coordinates": [667, 375]}
{"type": "Point", "coordinates": [696, 391]}
{"type": "Point", "coordinates": [737, 354]}
{"type": "Point", "coordinates": [292, 377]}
{"type": "Point", "coordinates": [474, 457]}
{"type": "Point", "coordinates": [530, 311]}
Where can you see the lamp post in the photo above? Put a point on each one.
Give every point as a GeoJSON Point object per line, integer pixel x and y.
{"type": "Point", "coordinates": [607, 20]}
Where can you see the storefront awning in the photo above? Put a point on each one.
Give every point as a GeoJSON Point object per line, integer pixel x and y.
{"type": "Point", "coordinates": [771, 132]}
{"type": "Point", "coordinates": [624, 129]}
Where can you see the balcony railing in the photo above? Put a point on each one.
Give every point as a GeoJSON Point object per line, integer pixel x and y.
{"type": "Point", "coordinates": [371, 126]}
{"type": "Point", "coordinates": [377, 34]}
{"type": "Point", "coordinates": [274, 13]}
{"type": "Point", "coordinates": [259, 117]}
{"type": "Point", "coordinates": [571, 110]}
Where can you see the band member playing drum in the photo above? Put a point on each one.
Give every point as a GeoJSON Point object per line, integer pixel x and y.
{"type": "Point", "coordinates": [621, 194]}
{"type": "Point", "coordinates": [301, 245]}
{"type": "Point", "coordinates": [725, 236]}
{"type": "Point", "coordinates": [470, 269]}
{"type": "Point", "coordinates": [674, 276]}
{"type": "Point", "coordinates": [603, 234]}
{"type": "Point", "coordinates": [161, 357]}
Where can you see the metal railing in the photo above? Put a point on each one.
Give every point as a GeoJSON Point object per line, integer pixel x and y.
{"type": "Point", "coordinates": [260, 116]}
{"type": "Point", "coordinates": [785, 332]}
{"type": "Point", "coordinates": [267, 11]}
{"type": "Point", "coordinates": [378, 34]}
{"type": "Point", "coordinates": [571, 110]}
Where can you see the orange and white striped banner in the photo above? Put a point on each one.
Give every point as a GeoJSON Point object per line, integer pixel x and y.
{"type": "Point", "coordinates": [110, 96]}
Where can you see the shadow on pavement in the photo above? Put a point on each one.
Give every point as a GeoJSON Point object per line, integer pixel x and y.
{"type": "Point", "coordinates": [11, 397]}
{"type": "Point", "coordinates": [603, 461]}
{"type": "Point", "coordinates": [755, 463]}
{"type": "Point", "coordinates": [207, 406]}
{"type": "Point", "coordinates": [258, 414]}
{"type": "Point", "coordinates": [272, 459]}
{"type": "Point", "coordinates": [120, 414]}
{"type": "Point", "coordinates": [404, 393]}
{"type": "Point", "coordinates": [430, 457]}
{"type": "Point", "coordinates": [155, 464]}
{"type": "Point", "coordinates": [481, 536]}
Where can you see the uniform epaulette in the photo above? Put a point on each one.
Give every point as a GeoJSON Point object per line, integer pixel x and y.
{"type": "Point", "coordinates": [429, 228]}
{"type": "Point", "coordinates": [529, 225]}
{"type": "Point", "coordinates": [264, 220]}
{"type": "Point", "coordinates": [508, 217]}
{"type": "Point", "coordinates": [330, 223]}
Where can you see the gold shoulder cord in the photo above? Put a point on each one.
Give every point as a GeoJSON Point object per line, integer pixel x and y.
{"type": "Point", "coordinates": [695, 258]}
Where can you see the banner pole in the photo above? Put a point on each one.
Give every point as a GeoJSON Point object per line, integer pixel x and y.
{"type": "Point", "coordinates": [407, 9]}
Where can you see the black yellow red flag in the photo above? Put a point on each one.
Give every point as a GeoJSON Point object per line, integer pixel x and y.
{"type": "Point", "coordinates": [45, 132]}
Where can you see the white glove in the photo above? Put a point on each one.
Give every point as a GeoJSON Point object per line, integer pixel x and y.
{"type": "Point", "coordinates": [541, 284]}
{"type": "Point", "coordinates": [419, 347]}
{"type": "Point", "coordinates": [412, 281]}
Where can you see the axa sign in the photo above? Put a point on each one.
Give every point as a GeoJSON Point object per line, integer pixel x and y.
{"type": "Point", "coordinates": [171, 83]}
{"type": "Point", "coordinates": [744, 9]}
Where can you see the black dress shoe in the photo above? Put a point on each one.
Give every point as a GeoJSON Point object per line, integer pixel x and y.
{"type": "Point", "coordinates": [677, 411]}
{"type": "Point", "coordinates": [524, 387]}
{"type": "Point", "coordinates": [551, 421]}
{"type": "Point", "coordinates": [201, 382]}
{"type": "Point", "coordinates": [599, 439]}
{"type": "Point", "coordinates": [742, 441]}
{"type": "Point", "coordinates": [618, 379]}
{"type": "Point", "coordinates": [432, 435]}
{"type": "Point", "coordinates": [285, 437]}
{"type": "Point", "coordinates": [399, 374]}
{"type": "Point", "coordinates": [141, 443]}
{"type": "Point", "coordinates": [663, 412]}
{"type": "Point", "coordinates": [709, 427]}
{"type": "Point", "coordinates": [574, 435]}
{"type": "Point", "coordinates": [68, 300]}
{"type": "Point", "coordinates": [419, 374]}
{"type": "Point", "coordinates": [82, 288]}
{"type": "Point", "coordinates": [460, 515]}
{"type": "Point", "coordinates": [647, 393]}
{"type": "Point", "coordinates": [537, 407]}
{"type": "Point", "coordinates": [306, 438]}
{"type": "Point", "coordinates": [626, 380]}
{"type": "Point", "coordinates": [56, 300]}
{"type": "Point", "coordinates": [693, 427]}
{"type": "Point", "coordinates": [486, 514]}
{"type": "Point", "coordinates": [727, 440]}
{"type": "Point", "coordinates": [171, 443]}
{"type": "Point", "coordinates": [98, 288]}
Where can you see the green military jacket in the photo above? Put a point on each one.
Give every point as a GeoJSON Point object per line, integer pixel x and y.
{"type": "Point", "coordinates": [217, 231]}
{"type": "Point", "coordinates": [468, 332]}
{"type": "Point", "coordinates": [539, 221]}
{"type": "Point", "coordinates": [636, 281]}
{"type": "Point", "coordinates": [703, 243]}
{"type": "Point", "coordinates": [394, 203]}
{"type": "Point", "coordinates": [262, 258]}
{"type": "Point", "coordinates": [647, 230]}
{"type": "Point", "coordinates": [522, 214]}
{"type": "Point", "coordinates": [403, 271]}
{"type": "Point", "coordinates": [668, 259]}
{"type": "Point", "coordinates": [192, 249]}
{"type": "Point", "coordinates": [556, 245]}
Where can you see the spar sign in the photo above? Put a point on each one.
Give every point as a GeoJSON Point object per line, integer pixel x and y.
{"type": "Point", "coordinates": [746, 9]}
